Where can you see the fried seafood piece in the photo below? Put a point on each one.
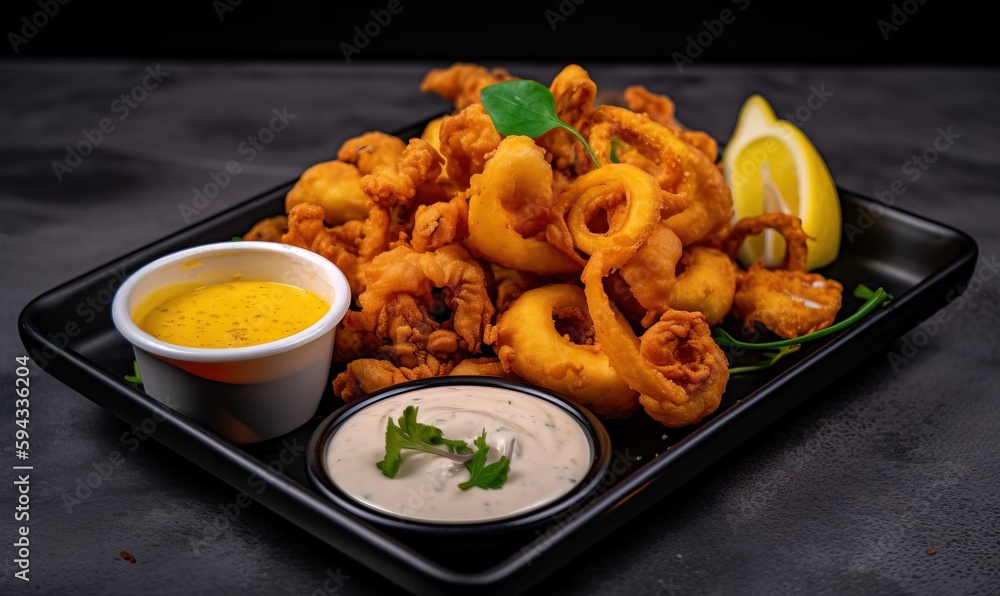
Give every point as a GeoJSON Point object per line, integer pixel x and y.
{"type": "Point", "coordinates": [680, 348]}
{"type": "Point", "coordinates": [439, 224]}
{"type": "Point", "coordinates": [546, 337]}
{"type": "Point", "coordinates": [269, 229]}
{"type": "Point", "coordinates": [510, 210]}
{"type": "Point", "coordinates": [679, 168]}
{"type": "Point", "coordinates": [432, 133]}
{"type": "Point", "coordinates": [370, 150]}
{"type": "Point", "coordinates": [466, 139]}
{"type": "Point", "coordinates": [481, 367]}
{"type": "Point", "coordinates": [651, 274]}
{"type": "Point", "coordinates": [367, 375]}
{"type": "Point", "coordinates": [789, 226]}
{"type": "Point", "coordinates": [706, 283]}
{"type": "Point", "coordinates": [669, 372]}
{"type": "Point", "coordinates": [574, 92]}
{"type": "Point", "coordinates": [615, 207]}
{"type": "Point", "coordinates": [403, 270]}
{"type": "Point", "coordinates": [350, 246]}
{"type": "Point", "coordinates": [334, 186]}
{"type": "Point", "coordinates": [788, 301]}
{"type": "Point", "coordinates": [461, 82]}
{"type": "Point", "coordinates": [662, 276]}
{"type": "Point", "coordinates": [407, 181]}
{"type": "Point", "coordinates": [507, 284]}
{"type": "Point", "coordinates": [661, 109]}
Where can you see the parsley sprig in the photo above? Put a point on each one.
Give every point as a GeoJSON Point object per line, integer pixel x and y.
{"type": "Point", "coordinates": [407, 433]}
{"type": "Point", "coordinates": [485, 476]}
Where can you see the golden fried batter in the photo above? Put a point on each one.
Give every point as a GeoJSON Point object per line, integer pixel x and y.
{"type": "Point", "coordinates": [461, 242]}
{"type": "Point", "coordinates": [661, 109]}
{"type": "Point", "coordinates": [574, 92]}
{"type": "Point", "coordinates": [439, 224]}
{"type": "Point", "coordinates": [679, 168]}
{"type": "Point", "coordinates": [466, 139]}
{"type": "Point", "coordinates": [789, 303]}
{"type": "Point", "coordinates": [547, 337]}
{"type": "Point", "coordinates": [269, 229]}
{"type": "Point", "coordinates": [370, 150]}
{"type": "Point", "coordinates": [409, 180]}
{"type": "Point", "coordinates": [515, 192]}
{"type": "Point", "coordinates": [402, 270]}
{"type": "Point", "coordinates": [334, 186]}
{"type": "Point", "coordinates": [680, 348]}
{"type": "Point", "coordinates": [461, 82]}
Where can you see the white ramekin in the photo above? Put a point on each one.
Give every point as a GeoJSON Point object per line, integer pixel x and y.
{"type": "Point", "coordinates": [246, 394]}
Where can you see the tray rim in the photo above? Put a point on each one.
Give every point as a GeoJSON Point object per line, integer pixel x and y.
{"type": "Point", "coordinates": [409, 567]}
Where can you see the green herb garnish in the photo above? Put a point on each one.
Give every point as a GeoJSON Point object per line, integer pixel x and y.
{"type": "Point", "coordinates": [525, 107]}
{"type": "Point", "coordinates": [770, 358]}
{"type": "Point", "coordinates": [135, 378]}
{"type": "Point", "coordinates": [614, 151]}
{"type": "Point", "coordinates": [410, 434]}
{"type": "Point", "coordinates": [875, 298]}
{"type": "Point", "coordinates": [485, 476]}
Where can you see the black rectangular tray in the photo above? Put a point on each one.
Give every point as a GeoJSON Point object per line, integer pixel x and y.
{"type": "Point", "coordinates": [918, 261]}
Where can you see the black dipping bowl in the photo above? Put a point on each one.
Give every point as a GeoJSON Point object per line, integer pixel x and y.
{"type": "Point", "coordinates": [453, 534]}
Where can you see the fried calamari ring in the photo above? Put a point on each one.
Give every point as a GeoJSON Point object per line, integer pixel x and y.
{"type": "Point", "coordinates": [706, 283]}
{"type": "Point", "coordinates": [679, 168]}
{"type": "Point", "coordinates": [515, 192]}
{"type": "Point", "coordinates": [680, 373]}
{"type": "Point", "coordinates": [651, 272]}
{"type": "Point", "coordinates": [680, 348]}
{"type": "Point", "coordinates": [461, 82]}
{"type": "Point", "coordinates": [788, 301]}
{"type": "Point", "coordinates": [615, 334]}
{"type": "Point", "coordinates": [466, 139]}
{"type": "Point", "coordinates": [661, 109]}
{"type": "Point", "coordinates": [614, 207]}
{"type": "Point", "coordinates": [370, 150]}
{"type": "Point", "coordinates": [789, 226]}
{"type": "Point", "coordinates": [334, 186]}
{"type": "Point", "coordinates": [547, 338]}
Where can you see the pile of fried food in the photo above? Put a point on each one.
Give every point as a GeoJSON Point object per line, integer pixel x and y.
{"type": "Point", "coordinates": [473, 253]}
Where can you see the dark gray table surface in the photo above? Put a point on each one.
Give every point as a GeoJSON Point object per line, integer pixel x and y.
{"type": "Point", "coordinates": [846, 495]}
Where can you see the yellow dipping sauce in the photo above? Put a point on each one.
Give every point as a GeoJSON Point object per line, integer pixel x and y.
{"type": "Point", "coordinates": [233, 314]}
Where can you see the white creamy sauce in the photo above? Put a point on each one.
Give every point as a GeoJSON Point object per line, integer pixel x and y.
{"type": "Point", "coordinates": [552, 454]}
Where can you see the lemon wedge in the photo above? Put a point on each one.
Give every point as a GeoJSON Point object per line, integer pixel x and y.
{"type": "Point", "coordinates": [771, 166]}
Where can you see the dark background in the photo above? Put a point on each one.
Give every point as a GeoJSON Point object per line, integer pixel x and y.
{"type": "Point", "coordinates": [935, 32]}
